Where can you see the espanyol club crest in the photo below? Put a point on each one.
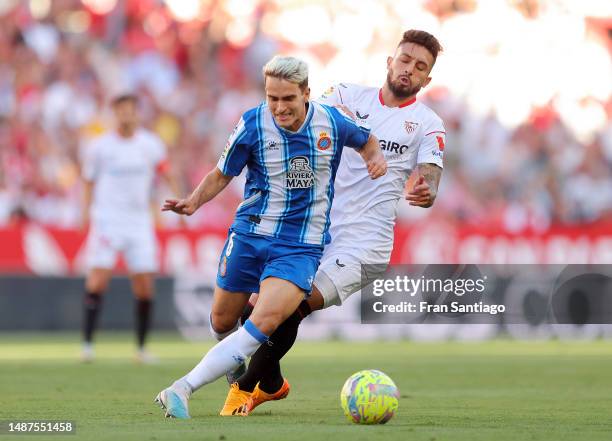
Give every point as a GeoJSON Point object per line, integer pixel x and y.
{"type": "Point", "coordinates": [410, 126]}
{"type": "Point", "coordinates": [324, 141]}
{"type": "Point", "coordinates": [300, 174]}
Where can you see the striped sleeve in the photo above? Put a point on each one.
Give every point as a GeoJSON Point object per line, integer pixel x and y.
{"type": "Point", "coordinates": [237, 151]}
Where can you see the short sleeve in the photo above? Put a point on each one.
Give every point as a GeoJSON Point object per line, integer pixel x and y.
{"type": "Point", "coordinates": [90, 161]}
{"type": "Point", "coordinates": [431, 148]}
{"type": "Point", "coordinates": [355, 135]}
{"type": "Point", "coordinates": [237, 151]}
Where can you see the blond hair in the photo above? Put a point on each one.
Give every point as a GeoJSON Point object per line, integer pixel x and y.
{"type": "Point", "coordinates": [291, 69]}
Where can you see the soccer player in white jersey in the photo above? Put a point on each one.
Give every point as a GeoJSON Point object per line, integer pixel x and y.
{"type": "Point", "coordinates": [291, 148]}
{"type": "Point", "coordinates": [364, 212]}
{"type": "Point", "coordinates": [119, 169]}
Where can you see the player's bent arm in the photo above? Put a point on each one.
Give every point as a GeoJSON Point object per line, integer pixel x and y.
{"type": "Point", "coordinates": [373, 157]}
{"type": "Point", "coordinates": [212, 184]}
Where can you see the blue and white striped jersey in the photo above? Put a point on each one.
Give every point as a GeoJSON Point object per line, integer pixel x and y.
{"type": "Point", "coordinates": [290, 180]}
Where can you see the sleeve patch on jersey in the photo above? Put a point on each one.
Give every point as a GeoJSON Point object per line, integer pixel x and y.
{"type": "Point", "coordinates": [328, 92]}
{"type": "Point", "coordinates": [163, 167]}
{"type": "Point", "coordinates": [440, 143]}
{"type": "Point", "coordinates": [226, 150]}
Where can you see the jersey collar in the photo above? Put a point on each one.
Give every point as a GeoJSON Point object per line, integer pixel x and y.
{"type": "Point", "coordinates": [406, 104]}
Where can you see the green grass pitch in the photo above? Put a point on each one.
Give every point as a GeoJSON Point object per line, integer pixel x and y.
{"type": "Point", "coordinates": [500, 390]}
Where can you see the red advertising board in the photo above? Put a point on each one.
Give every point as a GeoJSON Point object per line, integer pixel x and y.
{"type": "Point", "coordinates": [31, 248]}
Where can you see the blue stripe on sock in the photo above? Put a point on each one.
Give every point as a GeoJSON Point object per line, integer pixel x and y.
{"type": "Point", "coordinates": [256, 333]}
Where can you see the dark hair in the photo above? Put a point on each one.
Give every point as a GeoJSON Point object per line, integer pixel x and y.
{"type": "Point", "coordinates": [125, 98]}
{"type": "Point", "coordinates": [424, 39]}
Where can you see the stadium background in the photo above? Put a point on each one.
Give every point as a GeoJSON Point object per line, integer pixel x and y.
{"type": "Point", "coordinates": [524, 88]}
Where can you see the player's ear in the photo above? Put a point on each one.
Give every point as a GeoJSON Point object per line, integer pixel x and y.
{"type": "Point", "coordinates": [307, 93]}
{"type": "Point", "coordinates": [389, 61]}
{"type": "Point", "coordinates": [426, 82]}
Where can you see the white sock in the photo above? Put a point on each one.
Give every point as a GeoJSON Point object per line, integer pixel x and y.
{"type": "Point", "coordinates": [226, 355]}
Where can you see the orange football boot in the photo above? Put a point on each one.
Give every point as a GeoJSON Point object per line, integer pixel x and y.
{"type": "Point", "coordinates": [259, 396]}
{"type": "Point", "coordinates": [235, 403]}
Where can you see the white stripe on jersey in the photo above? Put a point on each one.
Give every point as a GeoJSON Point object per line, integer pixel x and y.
{"type": "Point", "coordinates": [323, 175]}
{"type": "Point", "coordinates": [275, 164]}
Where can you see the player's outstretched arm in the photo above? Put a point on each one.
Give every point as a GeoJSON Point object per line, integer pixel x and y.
{"type": "Point", "coordinates": [425, 189]}
{"type": "Point", "coordinates": [374, 158]}
{"type": "Point", "coordinates": [212, 184]}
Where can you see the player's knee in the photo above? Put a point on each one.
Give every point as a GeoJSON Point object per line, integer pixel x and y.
{"type": "Point", "coordinates": [143, 287]}
{"type": "Point", "coordinates": [97, 285]}
{"type": "Point", "coordinates": [267, 322]}
{"type": "Point", "coordinates": [143, 291]}
{"type": "Point", "coordinates": [222, 324]}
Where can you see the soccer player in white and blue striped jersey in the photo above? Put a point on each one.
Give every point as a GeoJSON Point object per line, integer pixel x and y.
{"type": "Point", "coordinates": [291, 148]}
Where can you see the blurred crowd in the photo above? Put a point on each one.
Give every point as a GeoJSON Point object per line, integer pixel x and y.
{"type": "Point", "coordinates": [543, 159]}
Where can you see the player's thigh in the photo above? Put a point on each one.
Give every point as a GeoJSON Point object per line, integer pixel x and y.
{"type": "Point", "coordinates": [97, 280]}
{"type": "Point", "coordinates": [143, 285]}
{"type": "Point", "coordinates": [278, 299]}
{"type": "Point", "coordinates": [287, 276]}
{"type": "Point", "coordinates": [140, 251]}
{"type": "Point", "coordinates": [227, 308]}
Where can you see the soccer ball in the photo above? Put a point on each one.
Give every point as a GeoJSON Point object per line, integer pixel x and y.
{"type": "Point", "coordinates": [369, 397]}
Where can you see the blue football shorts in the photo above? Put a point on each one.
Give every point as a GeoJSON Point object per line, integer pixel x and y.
{"type": "Point", "coordinates": [248, 259]}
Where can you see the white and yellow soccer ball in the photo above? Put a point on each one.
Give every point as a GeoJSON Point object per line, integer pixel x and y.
{"type": "Point", "coordinates": [369, 397]}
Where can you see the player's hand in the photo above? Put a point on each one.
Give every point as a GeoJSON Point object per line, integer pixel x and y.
{"type": "Point", "coordinates": [421, 194]}
{"type": "Point", "coordinates": [377, 166]}
{"type": "Point", "coordinates": [180, 206]}
{"type": "Point", "coordinates": [346, 110]}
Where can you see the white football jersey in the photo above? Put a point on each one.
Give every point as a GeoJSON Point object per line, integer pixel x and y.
{"type": "Point", "coordinates": [123, 171]}
{"type": "Point", "coordinates": [364, 210]}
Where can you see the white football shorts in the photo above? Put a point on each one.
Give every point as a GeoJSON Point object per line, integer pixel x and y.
{"type": "Point", "coordinates": [138, 247]}
{"type": "Point", "coordinates": [340, 275]}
